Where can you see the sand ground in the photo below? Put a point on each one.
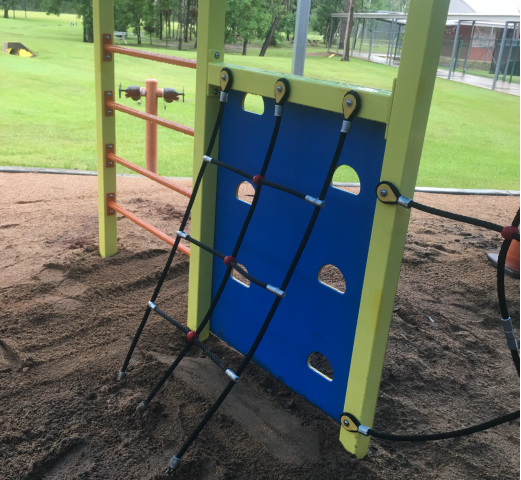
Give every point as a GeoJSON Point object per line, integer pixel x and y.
{"type": "Point", "coordinates": [67, 318]}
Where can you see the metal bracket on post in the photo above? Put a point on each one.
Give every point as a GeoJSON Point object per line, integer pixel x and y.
{"type": "Point", "coordinates": [108, 94]}
{"type": "Point", "coordinates": [106, 39]}
{"type": "Point", "coordinates": [109, 148]}
{"type": "Point", "coordinates": [111, 197]}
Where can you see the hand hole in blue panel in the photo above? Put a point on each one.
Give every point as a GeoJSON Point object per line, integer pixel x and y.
{"type": "Point", "coordinates": [332, 277]}
{"type": "Point", "coordinates": [320, 364]}
{"type": "Point", "coordinates": [239, 278]}
{"type": "Point", "coordinates": [245, 192]}
{"type": "Point", "coordinates": [346, 179]}
{"type": "Point", "coordinates": [253, 103]}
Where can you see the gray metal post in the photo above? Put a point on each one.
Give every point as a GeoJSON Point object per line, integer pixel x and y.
{"type": "Point", "coordinates": [371, 41]}
{"type": "Point", "coordinates": [469, 47]}
{"type": "Point", "coordinates": [510, 51]}
{"type": "Point", "coordinates": [390, 40]}
{"type": "Point", "coordinates": [500, 56]}
{"type": "Point", "coordinates": [356, 34]}
{"type": "Point", "coordinates": [339, 32]}
{"type": "Point", "coordinates": [362, 37]}
{"type": "Point", "coordinates": [330, 34]}
{"type": "Point", "coordinates": [301, 37]}
{"type": "Point", "coordinates": [454, 48]}
{"type": "Point", "coordinates": [397, 39]}
{"type": "Point", "coordinates": [488, 45]}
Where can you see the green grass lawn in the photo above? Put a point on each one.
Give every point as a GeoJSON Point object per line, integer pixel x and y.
{"type": "Point", "coordinates": [48, 108]}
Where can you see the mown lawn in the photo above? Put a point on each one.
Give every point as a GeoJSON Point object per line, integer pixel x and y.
{"type": "Point", "coordinates": [48, 108]}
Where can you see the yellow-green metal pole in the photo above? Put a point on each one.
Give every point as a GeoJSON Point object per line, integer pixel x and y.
{"type": "Point", "coordinates": [406, 130]}
{"type": "Point", "coordinates": [210, 47]}
{"type": "Point", "coordinates": [103, 17]}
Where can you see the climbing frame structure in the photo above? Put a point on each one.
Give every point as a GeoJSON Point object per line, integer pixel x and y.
{"type": "Point", "coordinates": [280, 328]}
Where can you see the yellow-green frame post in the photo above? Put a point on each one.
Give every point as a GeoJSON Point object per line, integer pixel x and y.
{"type": "Point", "coordinates": [103, 17]}
{"type": "Point", "coordinates": [210, 47]}
{"type": "Point", "coordinates": [405, 135]}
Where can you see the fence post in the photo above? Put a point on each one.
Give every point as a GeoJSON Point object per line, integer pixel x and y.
{"type": "Point", "coordinates": [371, 41]}
{"type": "Point", "coordinates": [454, 48]}
{"type": "Point", "coordinates": [103, 19]}
{"type": "Point", "coordinates": [469, 47]}
{"type": "Point", "coordinates": [500, 55]}
{"type": "Point", "coordinates": [151, 128]}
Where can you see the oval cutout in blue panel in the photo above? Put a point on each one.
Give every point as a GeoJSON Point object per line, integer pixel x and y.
{"type": "Point", "coordinates": [332, 277]}
{"type": "Point", "coordinates": [239, 278]}
{"type": "Point", "coordinates": [346, 179]}
{"type": "Point", "coordinates": [320, 364]}
{"type": "Point", "coordinates": [245, 192]}
{"type": "Point", "coordinates": [253, 103]}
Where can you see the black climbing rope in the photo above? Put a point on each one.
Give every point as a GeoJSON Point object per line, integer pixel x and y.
{"type": "Point", "coordinates": [388, 193]}
{"type": "Point", "coordinates": [353, 107]}
{"type": "Point", "coordinates": [347, 418]}
{"type": "Point", "coordinates": [186, 216]}
{"type": "Point", "coordinates": [281, 94]}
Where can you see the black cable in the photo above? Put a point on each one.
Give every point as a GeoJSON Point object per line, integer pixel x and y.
{"type": "Point", "coordinates": [501, 261]}
{"type": "Point", "coordinates": [226, 276]}
{"type": "Point", "coordinates": [454, 216]}
{"type": "Point", "coordinates": [274, 306]}
{"type": "Point", "coordinates": [438, 436]}
{"type": "Point", "coordinates": [186, 216]}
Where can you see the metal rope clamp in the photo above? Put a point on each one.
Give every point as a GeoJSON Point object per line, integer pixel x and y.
{"type": "Point", "coordinates": [388, 193]}
{"type": "Point", "coordinates": [226, 83]}
{"type": "Point", "coordinates": [281, 95]}
{"type": "Point", "coordinates": [351, 104]}
{"type": "Point", "coordinates": [350, 423]}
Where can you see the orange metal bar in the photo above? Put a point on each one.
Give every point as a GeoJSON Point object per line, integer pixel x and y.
{"type": "Point", "coordinates": [151, 128]}
{"type": "Point", "coordinates": [158, 233]}
{"type": "Point", "coordinates": [151, 118]}
{"type": "Point", "coordinates": [153, 176]}
{"type": "Point", "coordinates": [157, 57]}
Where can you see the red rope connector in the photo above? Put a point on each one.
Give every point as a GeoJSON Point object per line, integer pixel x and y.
{"type": "Point", "coordinates": [508, 232]}
{"type": "Point", "coordinates": [256, 179]}
{"type": "Point", "coordinates": [229, 259]}
{"type": "Point", "coordinates": [191, 335]}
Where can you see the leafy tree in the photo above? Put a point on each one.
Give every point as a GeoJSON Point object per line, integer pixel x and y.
{"type": "Point", "coordinates": [149, 16]}
{"type": "Point", "coordinates": [247, 18]}
{"type": "Point", "coordinates": [83, 8]}
{"type": "Point", "coordinates": [7, 4]}
{"type": "Point", "coordinates": [277, 11]}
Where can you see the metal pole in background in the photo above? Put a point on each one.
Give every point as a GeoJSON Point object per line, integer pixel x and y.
{"type": "Point", "coordinates": [468, 48]}
{"type": "Point", "coordinates": [371, 41]}
{"type": "Point", "coordinates": [389, 40]}
{"type": "Point", "coordinates": [339, 32]}
{"type": "Point", "coordinates": [454, 48]}
{"type": "Point", "coordinates": [500, 56]}
{"type": "Point", "coordinates": [354, 38]}
{"type": "Point", "coordinates": [488, 44]}
{"type": "Point", "coordinates": [301, 37]}
{"type": "Point", "coordinates": [397, 39]}
{"type": "Point", "coordinates": [330, 34]}
{"type": "Point", "coordinates": [516, 52]}
{"type": "Point", "coordinates": [362, 37]}
{"type": "Point", "coordinates": [510, 51]}
{"type": "Point", "coordinates": [151, 128]}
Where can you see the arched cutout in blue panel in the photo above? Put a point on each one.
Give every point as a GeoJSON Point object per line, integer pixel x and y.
{"type": "Point", "coordinates": [331, 277]}
{"type": "Point", "coordinates": [346, 174]}
{"type": "Point", "coordinates": [239, 278]}
{"type": "Point", "coordinates": [253, 103]}
{"type": "Point", "coordinates": [321, 365]}
{"type": "Point", "coordinates": [245, 192]}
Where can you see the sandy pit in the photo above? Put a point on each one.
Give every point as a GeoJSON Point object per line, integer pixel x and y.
{"type": "Point", "coordinates": [68, 316]}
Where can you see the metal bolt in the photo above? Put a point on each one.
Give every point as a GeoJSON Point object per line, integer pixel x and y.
{"type": "Point", "coordinates": [279, 89]}
{"type": "Point", "coordinates": [215, 91]}
{"type": "Point", "coordinates": [109, 94]}
{"type": "Point", "coordinates": [223, 76]}
{"type": "Point", "coordinates": [109, 111]}
{"type": "Point", "coordinates": [110, 165]}
{"type": "Point", "coordinates": [107, 57]}
{"type": "Point", "coordinates": [111, 211]}
{"type": "Point", "coordinates": [346, 422]}
{"type": "Point", "coordinates": [111, 195]}
{"type": "Point", "coordinates": [217, 55]}
{"type": "Point", "coordinates": [107, 37]}
{"type": "Point", "coordinates": [383, 192]}
{"type": "Point", "coordinates": [349, 103]}
{"type": "Point", "coordinates": [110, 146]}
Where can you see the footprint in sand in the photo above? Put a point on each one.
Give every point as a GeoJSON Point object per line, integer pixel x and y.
{"type": "Point", "coordinates": [9, 359]}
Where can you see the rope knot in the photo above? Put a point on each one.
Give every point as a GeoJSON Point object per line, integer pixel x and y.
{"type": "Point", "coordinates": [256, 179]}
{"type": "Point", "coordinates": [190, 336]}
{"type": "Point", "coordinates": [229, 259]}
{"type": "Point", "coordinates": [509, 231]}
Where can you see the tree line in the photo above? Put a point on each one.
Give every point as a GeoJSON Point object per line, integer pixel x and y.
{"type": "Point", "coordinates": [246, 20]}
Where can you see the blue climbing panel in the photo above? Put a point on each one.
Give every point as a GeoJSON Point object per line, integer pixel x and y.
{"type": "Point", "coordinates": [312, 317]}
